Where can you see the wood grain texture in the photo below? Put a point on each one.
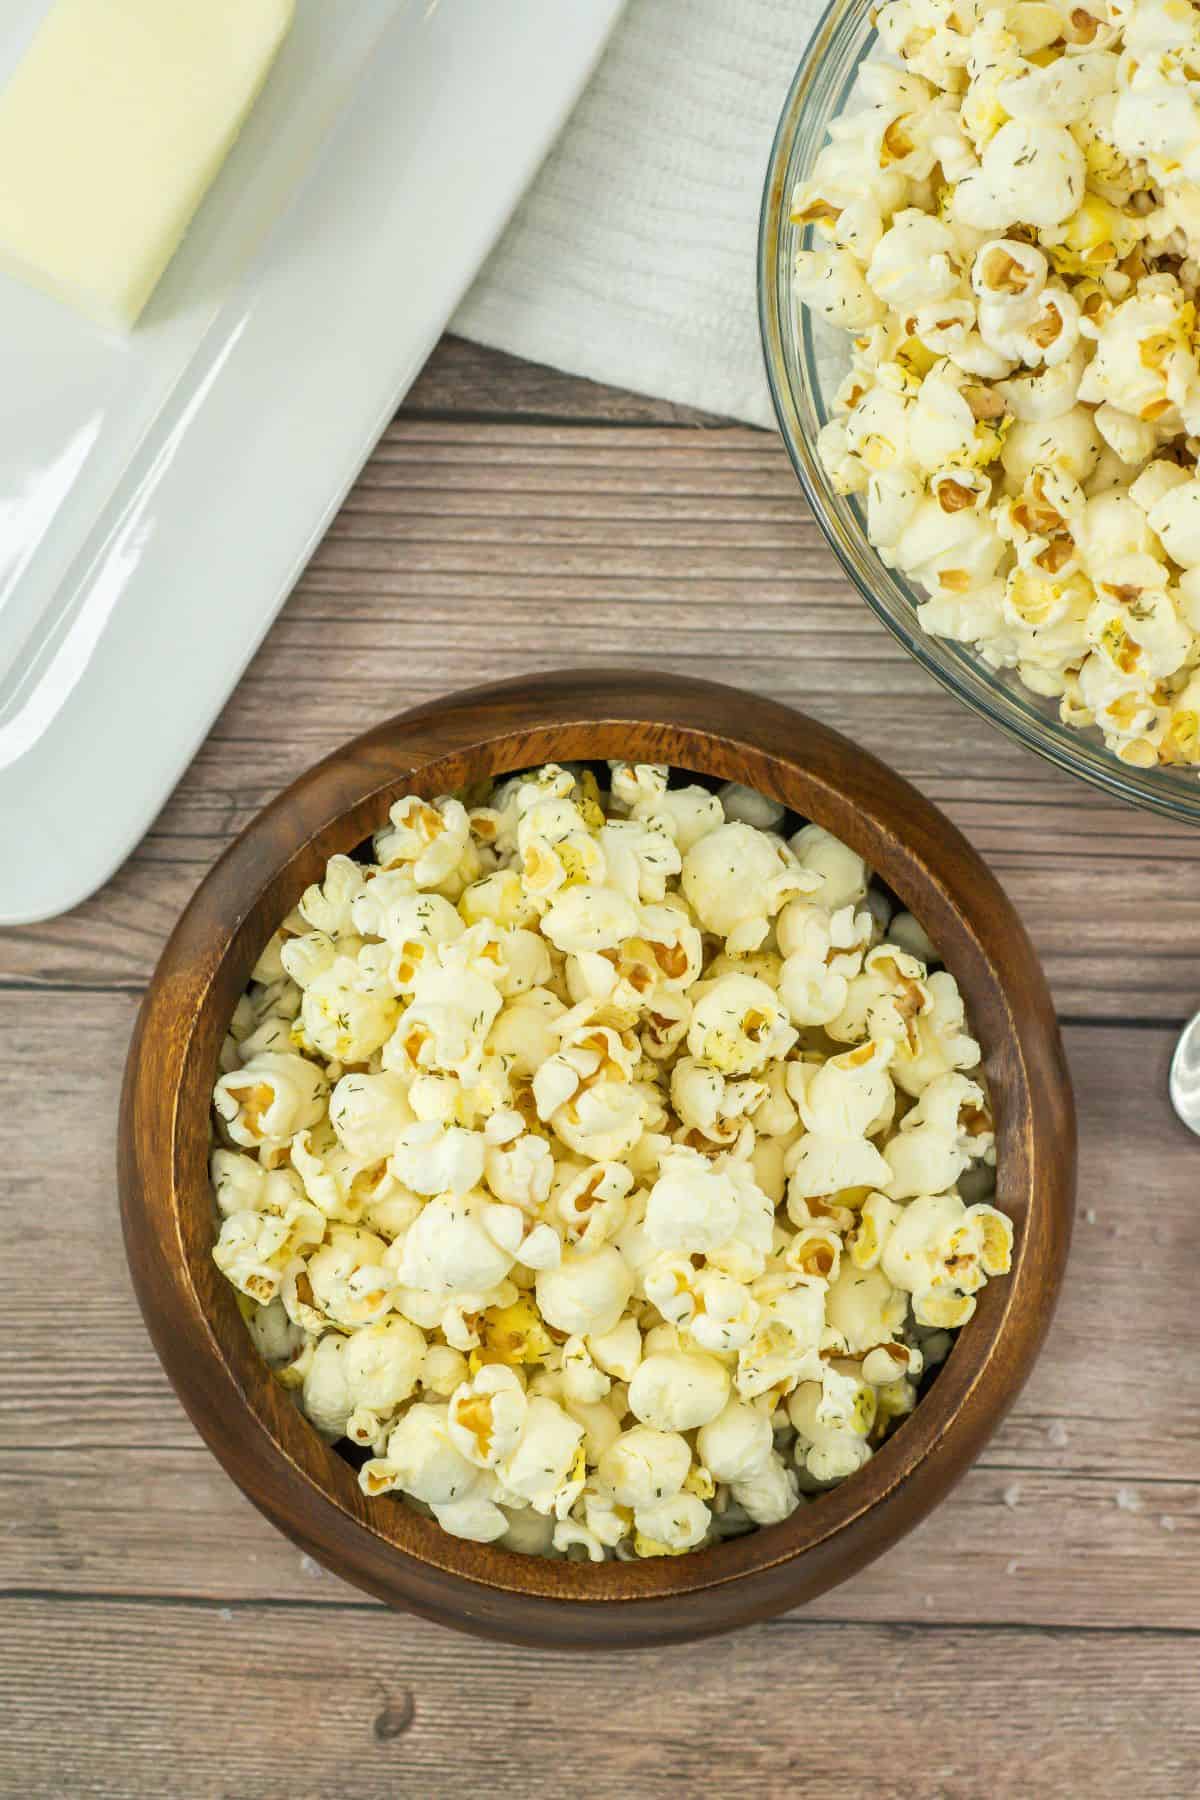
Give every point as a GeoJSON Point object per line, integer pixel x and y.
{"type": "Point", "coordinates": [465, 381]}
{"type": "Point", "coordinates": [109, 1490]}
{"type": "Point", "coordinates": [595, 543]}
{"type": "Point", "coordinates": [164, 1135]}
{"type": "Point", "coordinates": [1083, 1510]}
{"type": "Point", "coordinates": [167, 1523]}
{"type": "Point", "coordinates": [310, 1700]}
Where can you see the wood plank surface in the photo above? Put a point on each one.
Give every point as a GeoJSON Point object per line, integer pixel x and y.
{"type": "Point", "coordinates": [1037, 1636]}
{"type": "Point", "coordinates": [356, 1700]}
{"type": "Point", "coordinates": [1013, 1546]}
{"type": "Point", "coordinates": [382, 1707]}
{"type": "Point", "coordinates": [1096, 1472]}
{"type": "Point", "coordinates": [598, 544]}
{"type": "Point", "coordinates": [465, 381]}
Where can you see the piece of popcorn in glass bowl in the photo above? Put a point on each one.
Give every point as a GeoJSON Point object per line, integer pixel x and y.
{"type": "Point", "coordinates": [978, 268]}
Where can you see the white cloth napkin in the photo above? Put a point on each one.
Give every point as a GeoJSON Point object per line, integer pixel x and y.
{"type": "Point", "coordinates": [632, 258]}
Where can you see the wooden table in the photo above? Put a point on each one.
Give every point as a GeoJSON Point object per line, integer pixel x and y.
{"type": "Point", "coordinates": [1040, 1635]}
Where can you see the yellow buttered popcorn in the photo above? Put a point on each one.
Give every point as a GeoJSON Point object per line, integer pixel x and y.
{"type": "Point", "coordinates": [1008, 226]}
{"type": "Point", "coordinates": [589, 1161]}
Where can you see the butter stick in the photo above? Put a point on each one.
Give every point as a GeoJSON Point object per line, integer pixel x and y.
{"type": "Point", "coordinates": [113, 128]}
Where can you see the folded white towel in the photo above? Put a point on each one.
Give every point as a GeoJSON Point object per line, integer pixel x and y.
{"type": "Point", "coordinates": [632, 258]}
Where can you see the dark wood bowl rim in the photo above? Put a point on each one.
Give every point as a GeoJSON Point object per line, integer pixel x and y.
{"type": "Point", "coordinates": [252, 1425]}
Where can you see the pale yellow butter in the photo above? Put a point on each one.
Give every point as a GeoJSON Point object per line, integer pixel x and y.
{"type": "Point", "coordinates": [112, 129]}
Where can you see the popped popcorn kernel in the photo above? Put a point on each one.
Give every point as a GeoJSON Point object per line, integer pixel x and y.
{"type": "Point", "coordinates": [590, 1161]}
{"type": "Point", "coordinates": [1008, 228]}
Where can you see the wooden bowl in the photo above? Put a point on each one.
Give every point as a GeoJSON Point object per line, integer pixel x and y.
{"type": "Point", "coordinates": [251, 1423]}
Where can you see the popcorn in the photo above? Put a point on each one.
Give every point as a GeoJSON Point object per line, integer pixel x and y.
{"type": "Point", "coordinates": [326, 1389]}
{"type": "Point", "coordinates": [786, 1343]}
{"type": "Point", "coordinates": [382, 1364]}
{"type": "Point", "coordinates": [1009, 227]}
{"type": "Point", "coordinates": [942, 1252]}
{"type": "Point", "coordinates": [486, 1416]}
{"type": "Point", "coordinates": [347, 1015]}
{"type": "Point", "coordinates": [815, 1251]}
{"type": "Point", "coordinates": [670, 949]}
{"type": "Point", "coordinates": [822, 951]}
{"type": "Point", "coordinates": [747, 807]}
{"type": "Point", "coordinates": [254, 1249]}
{"type": "Point", "coordinates": [603, 1122]}
{"type": "Point", "coordinates": [619, 1351]}
{"type": "Point", "coordinates": [328, 904]}
{"type": "Point", "coordinates": [412, 924]}
{"type": "Point", "coordinates": [768, 1162]}
{"type": "Point", "coordinates": [520, 1172]}
{"type": "Point", "coordinates": [309, 954]}
{"type": "Point", "coordinates": [637, 784]}
{"type": "Point", "coordinates": [591, 1203]}
{"type": "Point", "coordinates": [590, 918]}
{"type": "Point", "coordinates": [735, 879]}
{"type": "Point", "coordinates": [832, 1168]}
{"type": "Point", "coordinates": [737, 1443]}
{"type": "Point", "coordinates": [769, 1494]}
{"type": "Point", "coordinates": [600, 1421]}
{"type": "Point", "coordinates": [725, 1312]}
{"type": "Point", "coordinates": [570, 1535]}
{"type": "Point", "coordinates": [241, 1184]}
{"type": "Point", "coordinates": [679, 1390]}
{"type": "Point", "coordinates": [645, 1464]}
{"type": "Point", "coordinates": [269, 1099]}
{"type": "Point", "coordinates": [841, 874]}
{"type": "Point", "coordinates": [389, 1210]}
{"type": "Point", "coordinates": [863, 1306]}
{"type": "Point", "coordinates": [265, 1023]}
{"type": "Point", "coordinates": [448, 1248]}
{"type": "Point", "coordinates": [431, 1158]}
{"type": "Point", "coordinates": [875, 1220]}
{"type": "Point", "coordinates": [669, 1527]}
{"type": "Point", "coordinates": [545, 1466]}
{"type": "Point", "coordinates": [932, 1041]}
{"type": "Point", "coordinates": [350, 1281]}
{"type": "Point", "coordinates": [584, 1383]}
{"type": "Point", "coordinates": [640, 858]}
{"type": "Point", "coordinates": [523, 1036]}
{"type": "Point", "coordinates": [1030, 172]}
{"type": "Point", "coordinates": [691, 1207]}
{"type": "Point", "coordinates": [738, 1025]}
{"type": "Point", "coordinates": [947, 1130]}
{"type": "Point", "coordinates": [515, 1334]}
{"type": "Point", "coordinates": [832, 1418]}
{"type": "Point", "coordinates": [430, 844]}
{"type": "Point", "coordinates": [369, 1113]}
{"type": "Point", "coordinates": [687, 814]}
{"type": "Point", "coordinates": [775, 1116]}
{"type": "Point", "coordinates": [849, 1096]}
{"type": "Point", "coordinates": [529, 1533]}
{"type": "Point", "coordinates": [572, 1148]}
{"type": "Point", "coordinates": [835, 285]}
{"type": "Point", "coordinates": [445, 1025]}
{"type": "Point", "coordinates": [422, 1459]}
{"type": "Point", "coordinates": [586, 1294]}
{"type": "Point", "coordinates": [475, 1516]}
{"type": "Point", "coordinates": [278, 1341]}
{"type": "Point", "coordinates": [711, 1104]}
{"type": "Point", "coordinates": [442, 1370]}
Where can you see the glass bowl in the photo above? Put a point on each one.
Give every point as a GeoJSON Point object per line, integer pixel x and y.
{"type": "Point", "coordinates": [805, 359]}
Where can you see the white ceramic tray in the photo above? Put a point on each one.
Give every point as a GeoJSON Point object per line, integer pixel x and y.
{"type": "Point", "coordinates": [159, 495]}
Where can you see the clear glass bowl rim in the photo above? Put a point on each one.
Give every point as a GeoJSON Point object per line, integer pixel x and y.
{"type": "Point", "coordinates": [821, 83]}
